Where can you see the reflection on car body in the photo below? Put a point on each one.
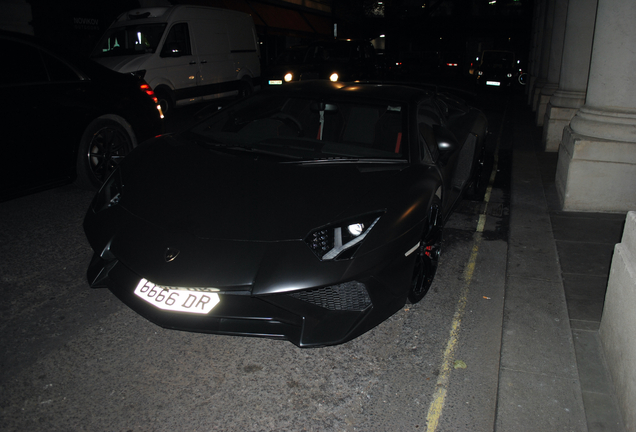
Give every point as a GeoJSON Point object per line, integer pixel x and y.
{"type": "Point", "coordinates": [309, 212]}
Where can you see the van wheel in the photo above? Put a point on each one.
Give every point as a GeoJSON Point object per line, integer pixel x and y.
{"type": "Point", "coordinates": [166, 101]}
{"type": "Point", "coordinates": [246, 88]}
{"type": "Point", "coordinates": [104, 144]}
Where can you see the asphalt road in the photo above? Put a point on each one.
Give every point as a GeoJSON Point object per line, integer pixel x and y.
{"type": "Point", "coordinates": [76, 359]}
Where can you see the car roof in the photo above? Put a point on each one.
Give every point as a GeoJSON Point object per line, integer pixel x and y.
{"type": "Point", "coordinates": [321, 89]}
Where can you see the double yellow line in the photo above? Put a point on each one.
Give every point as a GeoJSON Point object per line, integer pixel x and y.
{"type": "Point", "coordinates": [437, 405]}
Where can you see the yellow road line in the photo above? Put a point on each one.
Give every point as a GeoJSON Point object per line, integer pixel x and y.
{"type": "Point", "coordinates": [437, 405]}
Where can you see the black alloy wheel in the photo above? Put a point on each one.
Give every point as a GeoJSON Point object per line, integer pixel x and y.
{"type": "Point", "coordinates": [104, 144]}
{"type": "Point", "coordinates": [428, 254]}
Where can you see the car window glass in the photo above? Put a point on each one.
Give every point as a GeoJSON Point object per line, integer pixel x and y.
{"type": "Point", "coordinates": [23, 64]}
{"type": "Point", "coordinates": [177, 42]}
{"type": "Point", "coordinates": [58, 70]}
{"type": "Point", "coordinates": [130, 40]}
{"type": "Point", "coordinates": [428, 144]}
{"type": "Point", "coordinates": [306, 128]}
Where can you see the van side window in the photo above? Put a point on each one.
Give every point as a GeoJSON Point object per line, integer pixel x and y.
{"type": "Point", "coordinates": [177, 42]}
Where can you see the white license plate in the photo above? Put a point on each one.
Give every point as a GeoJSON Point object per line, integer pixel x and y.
{"type": "Point", "coordinates": [180, 300]}
{"type": "Point", "coordinates": [493, 83]}
{"type": "Point", "coordinates": [275, 82]}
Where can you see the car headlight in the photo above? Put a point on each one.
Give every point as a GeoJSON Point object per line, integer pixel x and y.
{"type": "Point", "coordinates": [333, 77]}
{"type": "Point", "coordinates": [110, 192]}
{"type": "Point", "coordinates": [332, 241]}
{"type": "Point", "coordinates": [509, 75]}
{"type": "Point", "coordinates": [288, 77]}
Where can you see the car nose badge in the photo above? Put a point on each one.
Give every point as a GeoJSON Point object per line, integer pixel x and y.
{"type": "Point", "coordinates": [171, 254]}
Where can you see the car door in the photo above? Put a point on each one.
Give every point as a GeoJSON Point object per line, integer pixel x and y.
{"type": "Point", "coordinates": [432, 133]}
{"type": "Point", "coordinates": [213, 49]}
{"type": "Point", "coordinates": [178, 63]}
{"type": "Point", "coordinates": [39, 118]}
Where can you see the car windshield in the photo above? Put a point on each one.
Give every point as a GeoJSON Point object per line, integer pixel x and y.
{"type": "Point", "coordinates": [308, 129]}
{"type": "Point", "coordinates": [338, 52]}
{"type": "Point", "coordinates": [129, 40]}
{"type": "Point", "coordinates": [498, 59]}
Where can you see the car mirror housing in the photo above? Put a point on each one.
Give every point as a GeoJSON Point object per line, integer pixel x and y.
{"type": "Point", "coordinates": [446, 142]}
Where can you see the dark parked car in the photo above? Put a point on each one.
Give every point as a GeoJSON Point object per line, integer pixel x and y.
{"type": "Point", "coordinates": [65, 117]}
{"type": "Point", "coordinates": [309, 212]}
{"type": "Point", "coordinates": [343, 60]}
{"type": "Point", "coordinates": [496, 69]}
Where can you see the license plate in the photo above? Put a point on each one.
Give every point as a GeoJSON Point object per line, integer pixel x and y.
{"type": "Point", "coordinates": [493, 83]}
{"type": "Point", "coordinates": [275, 82]}
{"type": "Point", "coordinates": [179, 300]}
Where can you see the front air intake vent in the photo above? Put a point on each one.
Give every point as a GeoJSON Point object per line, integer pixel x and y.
{"type": "Point", "coordinates": [348, 296]}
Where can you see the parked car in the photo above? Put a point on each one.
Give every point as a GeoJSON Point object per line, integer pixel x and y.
{"type": "Point", "coordinates": [309, 212]}
{"type": "Point", "coordinates": [66, 118]}
{"type": "Point", "coordinates": [496, 69]}
{"type": "Point", "coordinates": [186, 53]}
{"type": "Point", "coordinates": [342, 60]}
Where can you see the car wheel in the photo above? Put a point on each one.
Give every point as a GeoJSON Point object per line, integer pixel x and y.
{"type": "Point", "coordinates": [246, 87]}
{"type": "Point", "coordinates": [428, 254]}
{"type": "Point", "coordinates": [165, 100]}
{"type": "Point", "coordinates": [104, 143]}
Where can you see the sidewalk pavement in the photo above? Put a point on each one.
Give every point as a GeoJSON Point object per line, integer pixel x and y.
{"type": "Point", "coordinates": [553, 376]}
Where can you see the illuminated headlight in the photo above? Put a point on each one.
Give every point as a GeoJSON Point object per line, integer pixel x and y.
{"type": "Point", "coordinates": [333, 77]}
{"type": "Point", "coordinates": [288, 77]}
{"type": "Point", "coordinates": [509, 75]}
{"type": "Point", "coordinates": [332, 241]}
{"type": "Point", "coordinates": [110, 192]}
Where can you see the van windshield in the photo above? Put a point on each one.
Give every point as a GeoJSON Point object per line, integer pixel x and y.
{"type": "Point", "coordinates": [129, 40]}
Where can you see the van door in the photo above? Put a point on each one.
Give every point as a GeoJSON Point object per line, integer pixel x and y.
{"type": "Point", "coordinates": [178, 65]}
{"type": "Point", "coordinates": [217, 74]}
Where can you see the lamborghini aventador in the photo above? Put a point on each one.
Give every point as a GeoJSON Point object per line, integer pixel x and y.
{"type": "Point", "coordinates": [309, 212]}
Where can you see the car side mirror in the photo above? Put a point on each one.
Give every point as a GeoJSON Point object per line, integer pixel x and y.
{"type": "Point", "coordinates": [446, 143]}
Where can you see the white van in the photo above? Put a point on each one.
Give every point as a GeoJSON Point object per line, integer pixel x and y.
{"type": "Point", "coordinates": [186, 53]}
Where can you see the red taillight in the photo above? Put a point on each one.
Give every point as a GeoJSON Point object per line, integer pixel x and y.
{"type": "Point", "coordinates": [145, 87]}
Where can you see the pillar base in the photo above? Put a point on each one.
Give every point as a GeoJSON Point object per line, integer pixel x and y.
{"type": "Point", "coordinates": [595, 174]}
{"type": "Point", "coordinates": [618, 324]}
{"type": "Point", "coordinates": [542, 103]}
{"type": "Point", "coordinates": [556, 119]}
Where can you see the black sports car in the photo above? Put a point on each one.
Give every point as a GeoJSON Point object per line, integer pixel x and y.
{"type": "Point", "coordinates": [309, 212]}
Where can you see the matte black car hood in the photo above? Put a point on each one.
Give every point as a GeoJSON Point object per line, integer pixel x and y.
{"type": "Point", "coordinates": [244, 196]}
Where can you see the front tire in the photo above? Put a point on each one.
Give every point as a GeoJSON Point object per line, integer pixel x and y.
{"type": "Point", "coordinates": [104, 143]}
{"type": "Point", "coordinates": [428, 254]}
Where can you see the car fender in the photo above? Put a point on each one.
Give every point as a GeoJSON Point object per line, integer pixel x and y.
{"type": "Point", "coordinates": [124, 123]}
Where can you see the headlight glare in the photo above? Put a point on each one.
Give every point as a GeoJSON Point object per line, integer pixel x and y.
{"type": "Point", "coordinates": [288, 77]}
{"type": "Point", "coordinates": [333, 77]}
{"type": "Point", "coordinates": [330, 242]}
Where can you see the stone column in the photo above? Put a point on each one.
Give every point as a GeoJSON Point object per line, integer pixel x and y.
{"type": "Point", "coordinates": [554, 60]}
{"type": "Point", "coordinates": [596, 170]}
{"type": "Point", "coordinates": [538, 21]}
{"type": "Point", "coordinates": [575, 67]}
{"type": "Point", "coordinates": [543, 62]}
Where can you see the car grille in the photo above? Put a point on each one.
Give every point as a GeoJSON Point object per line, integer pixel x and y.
{"type": "Point", "coordinates": [349, 296]}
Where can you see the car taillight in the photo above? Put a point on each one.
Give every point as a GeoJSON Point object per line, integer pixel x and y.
{"type": "Point", "coordinates": [146, 88]}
